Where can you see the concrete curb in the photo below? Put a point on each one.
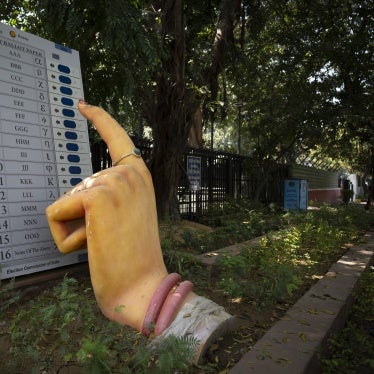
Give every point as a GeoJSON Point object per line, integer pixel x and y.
{"type": "Point", "coordinates": [210, 258]}
{"type": "Point", "coordinates": [292, 345]}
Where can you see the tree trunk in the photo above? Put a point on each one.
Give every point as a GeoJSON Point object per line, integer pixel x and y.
{"type": "Point", "coordinates": [371, 187]}
{"type": "Point", "coordinates": [229, 12]}
{"type": "Point", "coordinates": [170, 118]}
{"type": "Point", "coordinates": [173, 109]}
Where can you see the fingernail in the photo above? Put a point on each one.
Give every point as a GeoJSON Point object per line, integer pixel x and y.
{"type": "Point", "coordinates": [83, 102]}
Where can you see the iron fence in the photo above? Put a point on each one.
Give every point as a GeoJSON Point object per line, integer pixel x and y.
{"type": "Point", "coordinates": [222, 176]}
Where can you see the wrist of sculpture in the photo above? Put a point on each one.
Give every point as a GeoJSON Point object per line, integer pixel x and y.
{"type": "Point", "coordinates": [175, 310]}
{"type": "Point", "coordinates": [165, 303]}
{"type": "Point", "coordinates": [199, 319]}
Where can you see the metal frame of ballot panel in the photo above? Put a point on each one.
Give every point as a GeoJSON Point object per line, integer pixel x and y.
{"type": "Point", "coordinates": [44, 147]}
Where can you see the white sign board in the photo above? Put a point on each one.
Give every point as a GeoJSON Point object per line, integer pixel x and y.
{"type": "Point", "coordinates": [194, 172]}
{"type": "Point", "coordinates": [44, 147]}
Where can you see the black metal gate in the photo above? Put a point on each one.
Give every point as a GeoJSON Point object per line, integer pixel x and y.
{"type": "Point", "coordinates": [223, 176]}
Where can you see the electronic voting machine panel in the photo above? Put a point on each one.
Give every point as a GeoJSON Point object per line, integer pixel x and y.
{"type": "Point", "coordinates": [44, 147]}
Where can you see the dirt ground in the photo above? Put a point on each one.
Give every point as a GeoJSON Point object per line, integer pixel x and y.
{"type": "Point", "coordinates": [251, 322]}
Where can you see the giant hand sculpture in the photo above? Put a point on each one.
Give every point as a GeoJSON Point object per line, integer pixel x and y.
{"type": "Point", "coordinates": [113, 214]}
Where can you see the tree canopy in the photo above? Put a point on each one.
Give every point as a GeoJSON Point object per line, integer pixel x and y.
{"type": "Point", "coordinates": [281, 79]}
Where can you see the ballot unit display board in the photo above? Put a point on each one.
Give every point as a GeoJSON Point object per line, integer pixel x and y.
{"type": "Point", "coordinates": [44, 147]}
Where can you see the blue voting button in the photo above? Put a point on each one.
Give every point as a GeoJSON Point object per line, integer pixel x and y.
{"type": "Point", "coordinates": [73, 158]}
{"type": "Point", "coordinates": [70, 124]}
{"type": "Point", "coordinates": [68, 112]}
{"type": "Point", "coordinates": [72, 147]}
{"type": "Point", "coordinates": [63, 79]}
{"type": "Point", "coordinates": [66, 90]}
{"type": "Point", "coordinates": [75, 181]}
{"type": "Point", "coordinates": [71, 135]}
{"type": "Point", "coordinates": [67, 101]}
{"type": "Point", "coordinates": [75, 170]}
{"type": "Point", "coordinates": [63, 69]}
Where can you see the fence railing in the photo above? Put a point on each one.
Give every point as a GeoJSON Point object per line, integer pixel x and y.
{"type": "Point", "coordinates": [223, 176]}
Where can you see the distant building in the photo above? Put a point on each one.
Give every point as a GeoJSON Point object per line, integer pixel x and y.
{"type": "Point", "coordinates": [324, 186]}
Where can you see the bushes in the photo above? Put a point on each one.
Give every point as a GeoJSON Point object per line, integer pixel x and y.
{"type": "Point", "coordinates": [237, 221]}
{"type": "Point", "coordinates": [269, 272]}
{"type": "Point", "coordinates": [352, 351]}
{"type": "Point", "coordinates": [63, 328]}
{"type": "Point", "coordinates": [258, 275]}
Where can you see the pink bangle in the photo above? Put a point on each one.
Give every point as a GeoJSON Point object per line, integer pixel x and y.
{"type": "Point", "coordinates": [171, 306]}
{"type": "Point", "coordinates": [158, 300]}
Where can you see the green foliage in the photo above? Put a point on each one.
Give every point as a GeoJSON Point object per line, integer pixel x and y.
{"type": "Point", "coordinates": [301, 72]}
{"type": "Point", "coordinates": [119, 49]}
{"type": "Point", "coordinates": [93, 356]}
{"type": "Point", "coordinates": [173, 355]}
{"type": "Point", "coordinates": [43, 325]}
{"type": "Point", "coordinates": [182, 263]}
{"type": "Point", "coordinates": [233, 222]}
{"type": "Point", "coordinates": [190, 240]}
{"type": "Point", "coordinates": [63, 327]}
{"type": "Point", "coordinates": [257, 273]}
{"type": "Point", "coordinates": [352, 350]}
{"type": "Point", "coordinates": [186, 240]}
{"type": "Point", "coordinates": [277, 267]}
{"type": "Point", "coordinates": [237, 221]}
{"type": "Point", "coordinates": [8, 296]}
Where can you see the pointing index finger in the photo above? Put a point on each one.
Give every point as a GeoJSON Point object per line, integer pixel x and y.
{"type": "Point", "coordinates": [111, 132]}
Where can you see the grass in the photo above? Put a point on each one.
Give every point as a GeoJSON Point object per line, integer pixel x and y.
{"type": "Point", "coordinates": [62, 328]}
{"type": "Point", "coordinates": [352, 350]}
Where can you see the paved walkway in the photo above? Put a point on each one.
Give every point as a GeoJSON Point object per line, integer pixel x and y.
{"type": "Point", "coordinates": [291, 346]}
